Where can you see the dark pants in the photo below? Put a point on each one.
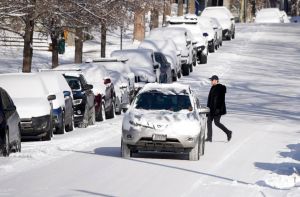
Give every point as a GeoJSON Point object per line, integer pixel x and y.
{"type": "Point", "coordinates": [210, 119]}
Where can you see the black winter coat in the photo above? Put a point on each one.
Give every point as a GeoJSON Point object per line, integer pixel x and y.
{"type": "Point", "coordinates": [216, 100]}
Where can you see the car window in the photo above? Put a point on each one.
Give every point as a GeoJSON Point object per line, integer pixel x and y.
{"type": "Point", "coordinates": [160, 101]}
{"type": "Point", "coordinates": [74, 83]}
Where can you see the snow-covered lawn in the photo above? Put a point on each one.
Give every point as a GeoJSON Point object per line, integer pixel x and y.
{"type": "Point", "coordinates": [261, 70]}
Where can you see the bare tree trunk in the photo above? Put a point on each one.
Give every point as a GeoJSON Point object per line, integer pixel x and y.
{"type": "Point", "coordinates": [139, 25]}
{"type": "Point", "coordinates": [242, 11]}
{"type": "Point", "coordinates": [103, 38]}
{"type": "Point", "coordinates": [180, 8]}
{"type": "Point", "coordinates": [54, 39]}
{"type": "Point", "coordinates": [167, 10]}
{"type": "Point", "coordinates": [154, 18]}
{"type": "Point", "coordinates": [192, 7]}
{"type": "Point", "coordinates": [28, 45]}
{"type": "Point", "coordinates": [78, 45]}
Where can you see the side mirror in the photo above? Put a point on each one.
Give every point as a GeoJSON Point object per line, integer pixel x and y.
{"type": "Point", "coordinates": [51, 97]}
{"type": "Point", "coordinates": [178, 53]}
{"type": "Point", "coordinates": [205, 34]}
{"type": "Point", "coordinates": [107, 81]}
{"type": "Point", "coordinates": [204, 110]}
{"type": "Point", "coordinates": [67, 93]}
{"type": "Point", "coordinates": [156, 65]}
{"type": "Point", "coordinates": [194, 42]}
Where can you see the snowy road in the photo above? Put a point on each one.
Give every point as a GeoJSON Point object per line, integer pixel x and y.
{"type": "Point", "coordinates": [261, 69]}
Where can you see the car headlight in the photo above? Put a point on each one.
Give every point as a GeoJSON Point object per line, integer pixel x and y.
{"type": "Point", "coordinates": [77, 102]}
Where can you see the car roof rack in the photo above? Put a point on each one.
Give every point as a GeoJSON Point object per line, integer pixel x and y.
{"type": "Point", "coordinates": [118, 59]}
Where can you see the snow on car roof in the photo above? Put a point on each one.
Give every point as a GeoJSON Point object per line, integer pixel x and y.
{"type": "Point", "coordinates": [174, 88]}
{"type": "Point", "coordinates": [218, 9]}
{"type": "Point", "coordinates": [23, 85]}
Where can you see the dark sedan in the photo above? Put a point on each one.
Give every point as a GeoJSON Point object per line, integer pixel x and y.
{"type": "Point", "coordinates": [10, 134]}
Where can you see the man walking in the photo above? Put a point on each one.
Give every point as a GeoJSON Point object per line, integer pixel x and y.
{"type": "Point", "coordinates": [216, 103]}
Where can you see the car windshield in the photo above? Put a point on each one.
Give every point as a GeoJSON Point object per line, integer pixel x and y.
{"type": "Point", "coordinates": [74, 83]}
{"type": "Point", "coordinates": [160, 101]}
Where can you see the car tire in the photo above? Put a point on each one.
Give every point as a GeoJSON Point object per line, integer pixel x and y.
{"type": "Point", "coordinates": [203, 58]}
{"type": "Point", "coordinates": [233, 35]}
{"type": "Point", "coordinates": [85, 120]}
{"type": "Point", "coordinates": [70, 126]}
{"type": "Point", "coordinates": [19, 143]}
{"type": "Point", "coordinates": [185, 70]}
{"type": "Point", "coordinates": [174, 76]}
{"type": "Point", "coordinates": [228, 37]}
{"type": "Point", "coordinates": [194, 153]}
{"type": "Point", "coordinates": [111, 113]}
{"type": "Point", "coordinates": [61, 129]}
{"type": "Point", "coordinates": [179, 75]}
{"type": "Point", "coordinates": [92, 119]}
{"type": "Point", "coordinates": [48, 135]}
{"type": "Point", "coordinates": [125, 151]}
{"type": "Point", "coordinates": [5, 149]}
{"type": "Point", "coordinates": [221, 43]}
{"type": "Point", "coordinates": [211, 48]}
{"type": "Point", "coordinates": [191, 68]}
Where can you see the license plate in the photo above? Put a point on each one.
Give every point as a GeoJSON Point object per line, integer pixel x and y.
{"type": "Point", "coordinates": [159, 137]}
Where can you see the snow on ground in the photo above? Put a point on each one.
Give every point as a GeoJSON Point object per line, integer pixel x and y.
{"type": "Point", "coordinates": [261, 70]}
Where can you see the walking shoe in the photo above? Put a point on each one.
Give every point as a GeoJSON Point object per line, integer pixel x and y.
{"type": "Point", "coordinates": [229, 136]}
{"type": "Point", "coordinates": [208, 140]}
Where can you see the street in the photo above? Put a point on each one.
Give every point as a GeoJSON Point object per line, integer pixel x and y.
{"type": "Point", "coordinates": [262, 73]}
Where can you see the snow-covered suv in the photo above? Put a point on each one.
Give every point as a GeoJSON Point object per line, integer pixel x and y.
{"type": "Point", "coordinates": [225, 18]}
{"type": "Point", "coordinates": [165, 118]}
{"type": "Point", "coordinates": [183, 39]}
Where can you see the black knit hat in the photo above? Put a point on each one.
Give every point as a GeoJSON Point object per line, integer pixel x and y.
{"type": "Point", "coordinates": [214, 77]}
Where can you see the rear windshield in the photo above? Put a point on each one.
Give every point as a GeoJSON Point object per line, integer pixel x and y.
{"type": "Point", "coordinates": [73, 82]}
{"type": "Point", "coordinates": [160, 101]}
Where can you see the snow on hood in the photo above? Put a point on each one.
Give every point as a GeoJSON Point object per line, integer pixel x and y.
{"type": "Point", "coordinates": [170, 122]}
{"type": "Point", "coordinates": [32, 107]}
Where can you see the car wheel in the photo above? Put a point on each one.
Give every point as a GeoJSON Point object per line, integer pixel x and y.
{"type": "Point", "coordinates": [194, 153]}
{"type": "Point", "coordinates": [211, 48]}
{"type": "Point", "coordinates": [203, 58]}
{"type": "Point", "coordinates": [174, 76]}
{"type": "Point", "coordinates": [61, 129]}
{"type": "Point", "coordinates": [179, 75]}
{"type": "Point", "coordinates": [19, 144]}
{"type": "Point", "coordinates": [185, 69]}
{"type": "Point", "coordinates": [191, 68]}
{"type": "Point", "coordinates": [70, 126]}
{"type": "Point", "coordinates": [5, 145]}
{"type": "Point", "coordinates": [221, 43]}
{"type": "Point", "coordinates": [125, 151]}
{"type": "Point", "coordinates": [85, 120]}
{"type": "Point", "coordinates": [92, 118]}
{"type": "Point", "coordinates": [111, 113]}
{"type": "Point", "coordinates": [233, 36]}
{"type": "Point", "coordinates": [228, 37]}
{"type": "Point", "coordinates": [48, 135]}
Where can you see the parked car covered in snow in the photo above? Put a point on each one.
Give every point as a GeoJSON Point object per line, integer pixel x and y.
{"type": "Point", "coordinates": [84, 99]}
{"type": "Point", "coordinates": [285, 17]}
{"type": "Point", "coordinates": [211, 35]}
{"type": "Point", "coordinates": [219, 31]}
{"type": "Point", "coordinates": [200, 42]}
{"type": "Point", "coordinates": [164, 118]}
{"type": "Point", "coordinates": [142, 63]}
{"type": "Point", "coordinates": [225, 18]}
{"type": "Point", "coordinates": [182, 38]}
{"type": "Point", "coordinates": [10, 131]}
{"type": "Point", "coordinates": [169, 49]}
{"type": "Point", "coordinates": [63, 104]}
{"type": "Point", "coordinates": [269, 15]}
{"type": "Point", "coordinates": [33, 103]}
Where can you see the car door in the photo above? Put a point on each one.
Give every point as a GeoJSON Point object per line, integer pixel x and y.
{"type": "Point", "coordinates": [11, 116]}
